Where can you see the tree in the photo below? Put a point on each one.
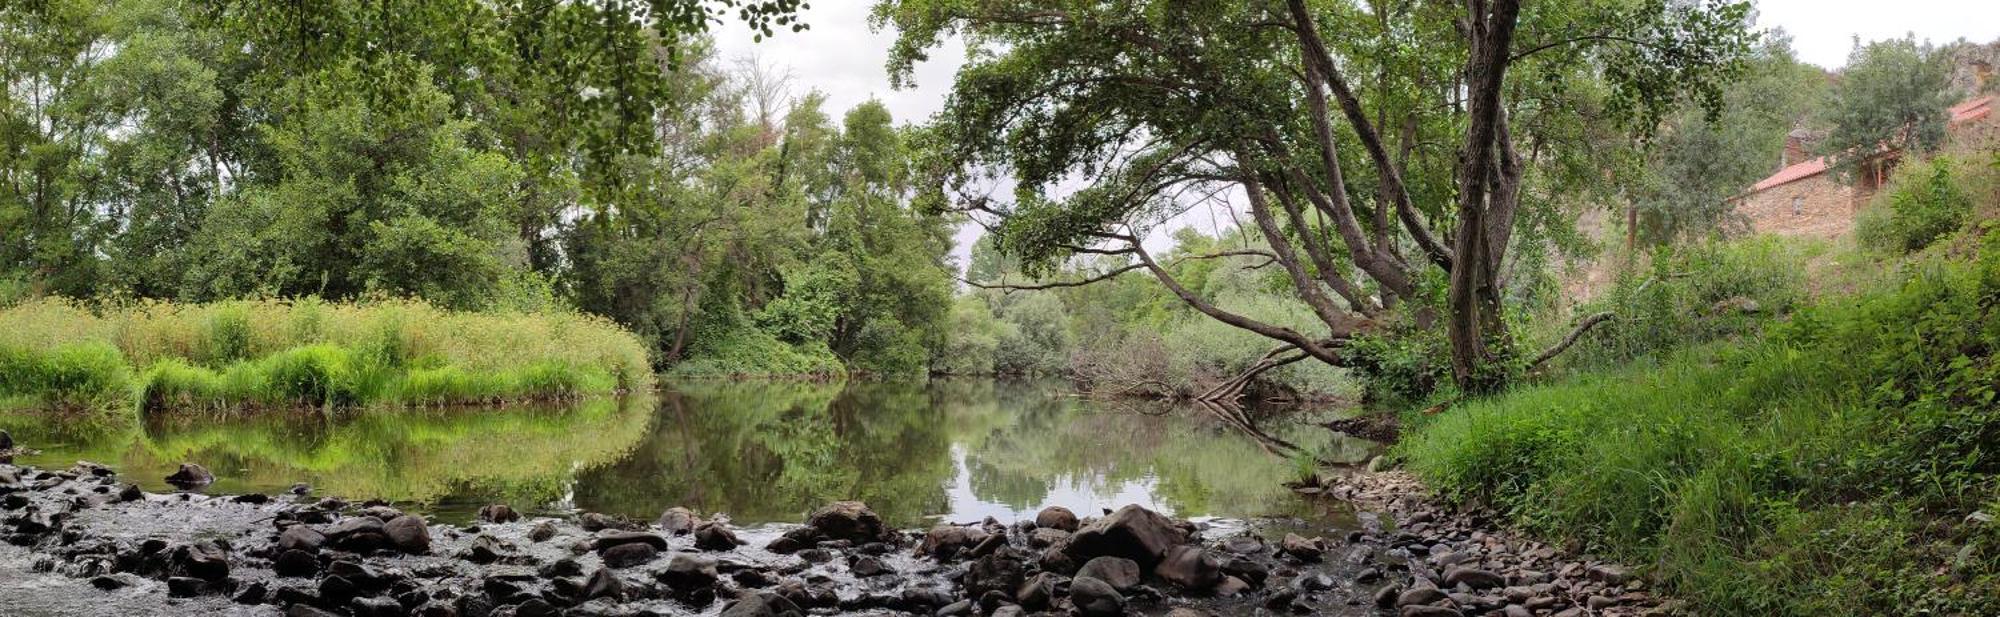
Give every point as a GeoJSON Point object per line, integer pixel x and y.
{"type": "Point", "coordinates": [1699, 160]}
{"type": "Point", "coordinates": [1891, 95]}
{"type": "Point", "coordinates": [1147, 101]}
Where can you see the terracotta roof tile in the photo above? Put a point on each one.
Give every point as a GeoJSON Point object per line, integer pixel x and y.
{"type": "Point", "coordinates": [1794, 173]}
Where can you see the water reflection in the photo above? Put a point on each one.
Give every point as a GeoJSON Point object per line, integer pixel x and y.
{"type": "Point", "coordinates": [946, 449]}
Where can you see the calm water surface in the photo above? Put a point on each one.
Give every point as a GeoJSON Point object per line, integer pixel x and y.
{"type": "Point", "coordinates": [956, 450]}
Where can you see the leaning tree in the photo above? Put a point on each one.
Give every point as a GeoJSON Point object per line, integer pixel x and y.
{"type": "Point", "coordinates": [1383, 149]}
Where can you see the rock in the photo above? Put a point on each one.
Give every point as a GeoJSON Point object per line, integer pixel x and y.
{"type": "Point", "coordinates": [1473, 577]}
{"type": "Point", "coordinates": [191, 475]}
{"type": "Point", "coordinates": [1095, 598]}
{"type": "Point", "coordinates": [1248, 569]}
{"type": "Point", "coordinates": [408, 534]}
{"type": "Point", "coordinates": [131, 492]}
{"type": "Point", "coordinates": [1002, 572]}
{"type": "Point", "coordinates": [536, 607]}
{"type": "Point", "coordinates": [1419, 595]}
{"type": "Point", "coordinates": [1038, 592]}
{"type": "Point", "coordinates": [593, 521]}
{"type": "Point", "coordinates": [1191, 567]}
{"type": "Point", "coordinates": [1386, 596]}
{"type": "Point", "coordinates": [946, 541]}
{"type": "Point", "coordinates": [866, 566]}
{"type": "Point", "coordinates": [301, 538]}
{"type": "Point", "coordinates": [1516, 610]}
{"type": "Point", "coordinates": [307, 610]}
{"type": "Point", "coordinates": [607, 540]}
{"type": "Point", "coordinates": [1297, 546]}
{"type": "Point", "coordinates": [1045, 537]}
{"type": "Point", "coordinates": [1244, 544]}
{"type": "Point", "coordinates": [6, 441]}
{"type": "Point", "coordinates": [498, 513]}
{"type": "Point", "coordinates": [1428, 611]}
{"type": "Point", "coordinates": [1121, 573]}
{"type": "Point", "coordinates": [1132, 532]}
{"type": "Point", "coordinates": [687, 572]}
{"type": "Point", "coordinates": [484, 549]}
{"type": "Point", "coordinates": [1607, 574]}
{"type": "Point", "coordinates": [112, 582]}
{"type": "Point", "coordinates": [204, 560]}
{"type": "Point", "coordinates": [354, 525]}
{"type": "Point", "coordinates": [1230, 587]}
{"type": "Point", "coordinates": [714, 537]}
{"type": "Point", "coordinates": [679, 521]}
{"type": "Point", "coordinates": [295, 562]}
{"type": "Point", "coordinates": [183, 587]}
{"type": "Point", "coordinates": [762, 604]}
{"type": "Point", "coordinates": [253, 593]}
{"type": "Point", "coordinates": [793, 540]}
{"type": "Point", "coordinates": [378, 606]}
{"type": "Point", "coordinates": [1312, 581]}
{"type": "Point", "coordinates": [960, 608]}
{"type": "Point", "coordinates": [542, 531]}
{"type": "Point", "coordinates": [1056, 517]}
{"type": "Point", "coordinates": [628, 555]}
{"type": "Point", "coordinates": [848, 520]}
{"type": "Point", "coordinates": [1598, 603]}
{"type": "Point", "coordinates": [603, 584]}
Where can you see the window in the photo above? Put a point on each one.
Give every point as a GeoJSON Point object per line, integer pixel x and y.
{"type": "Point", "coordinates": [1797, 201]}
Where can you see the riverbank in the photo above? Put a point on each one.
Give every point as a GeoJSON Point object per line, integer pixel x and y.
{"type": "Point", "coordinates": [1839, 463]}
{"type": "Point", "coordinates": [88, 541]}
{"type": "Point", "coordinates": [250, 355]}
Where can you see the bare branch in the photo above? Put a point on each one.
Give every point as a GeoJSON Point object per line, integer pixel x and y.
{"type": "Point", "coordinates": [1574, 335]}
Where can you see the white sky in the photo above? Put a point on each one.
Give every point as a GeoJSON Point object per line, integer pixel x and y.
{"type": "Point", "coordinates": [842, 58]}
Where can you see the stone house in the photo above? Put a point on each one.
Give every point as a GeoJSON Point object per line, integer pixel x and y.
{"type": "Point", "coordinates": [1803, 199]}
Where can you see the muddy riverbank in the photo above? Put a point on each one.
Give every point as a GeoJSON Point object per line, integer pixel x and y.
{"type": "Point", "coordinates": [81, 541]}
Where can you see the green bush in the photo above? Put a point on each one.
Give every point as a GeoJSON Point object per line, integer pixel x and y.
{"type": "Point", "coordinates": [1826, 467]}
{"type": "Point", "coordinates": [77, 375]}
{"type": "Point", "coordinates": [1689, 295]}
{"type": "Point", "coordinates": [1921, 203]}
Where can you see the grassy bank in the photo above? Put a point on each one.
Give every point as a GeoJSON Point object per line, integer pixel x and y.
{"type": "Point", "coordinates": [262, 354]}
{"type": "Point", "coordinates": [1838, 462]}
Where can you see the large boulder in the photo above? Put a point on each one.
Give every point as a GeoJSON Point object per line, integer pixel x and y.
{"type": "Point", "coordinates": [1095, 598]}
{"type": "Point", "coordinates": [689, 572]}
{"type": "Point", "coordinates": [945, 541]}
{"type": "Point", "coordinates": [628, 554]}
{"type": "Point", "coordinates": [1191, 567]}
{"type": "Point", "coordinates": [998, 572]}
{"type": "Point", "coordinates": [1132, 532]}
{"type": "Point", "coordinates": [204, 560]}
{"type": "Point", "coordinates": [849, 520]}
{"type": "Point", "coordinates": [679, 521]}
{"type": "Point", "coordinates": [715, 537]}
{"type": "Point", "coordinates": [498, 513]}
{"type": "Point", "coordinates": [301, 538]}
{"type": "Point", "coordinates": [610, 539]}
{"type": "Point", "coordinates": [408, 534]}
{"type": "Point", "coordinates": [1056, 517]}
{"type": "Point", "coordinates": [1121, 573]}
{"type": "Point", "coordinates": [191, 475]}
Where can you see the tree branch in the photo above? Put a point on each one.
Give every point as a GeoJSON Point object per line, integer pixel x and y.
{"type": "Point", "coordinates": [1574, 335]}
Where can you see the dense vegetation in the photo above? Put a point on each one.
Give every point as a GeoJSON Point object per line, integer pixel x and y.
{"type": "Point", "coordinates": [247, 354]}
{"type": "Point", "coordinates": [1834, 460]}
{"type": "Point", "coordinates": [477, 155]}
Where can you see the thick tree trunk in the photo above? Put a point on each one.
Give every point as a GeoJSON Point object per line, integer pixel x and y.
{"type": "Point", "coordinates": [1483, 199]}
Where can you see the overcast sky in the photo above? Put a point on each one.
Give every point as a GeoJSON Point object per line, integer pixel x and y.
{"type": "Point", "coordinates": [841, 57]}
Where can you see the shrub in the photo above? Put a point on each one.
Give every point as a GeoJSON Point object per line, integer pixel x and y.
{"type": "Point", "coordinates": [1920, 204]}
{"type": "Point", "coordinates": [1691, 294]}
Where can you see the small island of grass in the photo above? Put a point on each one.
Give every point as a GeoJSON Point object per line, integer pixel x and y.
{"type": "Point", "coordinates": [269, 354]}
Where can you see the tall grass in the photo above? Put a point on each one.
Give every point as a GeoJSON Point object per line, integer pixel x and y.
{"type": "Point", "coordinates": [1825, 467]}
{"type": "Point", "coordinates": [269, 353]}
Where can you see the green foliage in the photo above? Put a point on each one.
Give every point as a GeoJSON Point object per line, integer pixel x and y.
{"type": "Point", "coordinates": [1699, 160]}
{"type": "Point", "coordinates": [1826, 467]}
{"type": "Point", "coordinates": [239, 355]}
{"type": "Point", "coordinates": [1921, 203]}
{"type": "Point", "coordinates": [1892, 94]}
{"type": "Point", "coordinates": [1690, 294]}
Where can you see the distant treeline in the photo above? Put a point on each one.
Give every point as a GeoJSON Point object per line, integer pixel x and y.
{"type": "Point", "coordinates": [472, 154]}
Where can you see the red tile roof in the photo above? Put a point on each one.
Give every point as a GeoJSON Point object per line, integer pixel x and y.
{"type": "Point", "coordinates": [1971, 110]}
{"type": "Point", "coordinates": [1801, 171]}
{"type": "Point", "coordinates": [1967, 111]}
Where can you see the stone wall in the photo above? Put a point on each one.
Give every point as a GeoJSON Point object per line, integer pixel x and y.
{"type": "Point", "coordinates": [1819, 206]}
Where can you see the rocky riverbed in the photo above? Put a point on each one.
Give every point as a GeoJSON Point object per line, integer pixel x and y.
{"type": "Point", "coordinates": [79, 541]}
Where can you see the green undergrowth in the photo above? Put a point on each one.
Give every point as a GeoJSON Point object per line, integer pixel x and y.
{"type": "Point", "coordinates": [1835, 462]}
{"type": "Point", "coordinates": [271, 354]}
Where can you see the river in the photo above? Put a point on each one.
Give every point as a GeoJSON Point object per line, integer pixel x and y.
{"type": "Point", "coordinates": [954, 450]}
